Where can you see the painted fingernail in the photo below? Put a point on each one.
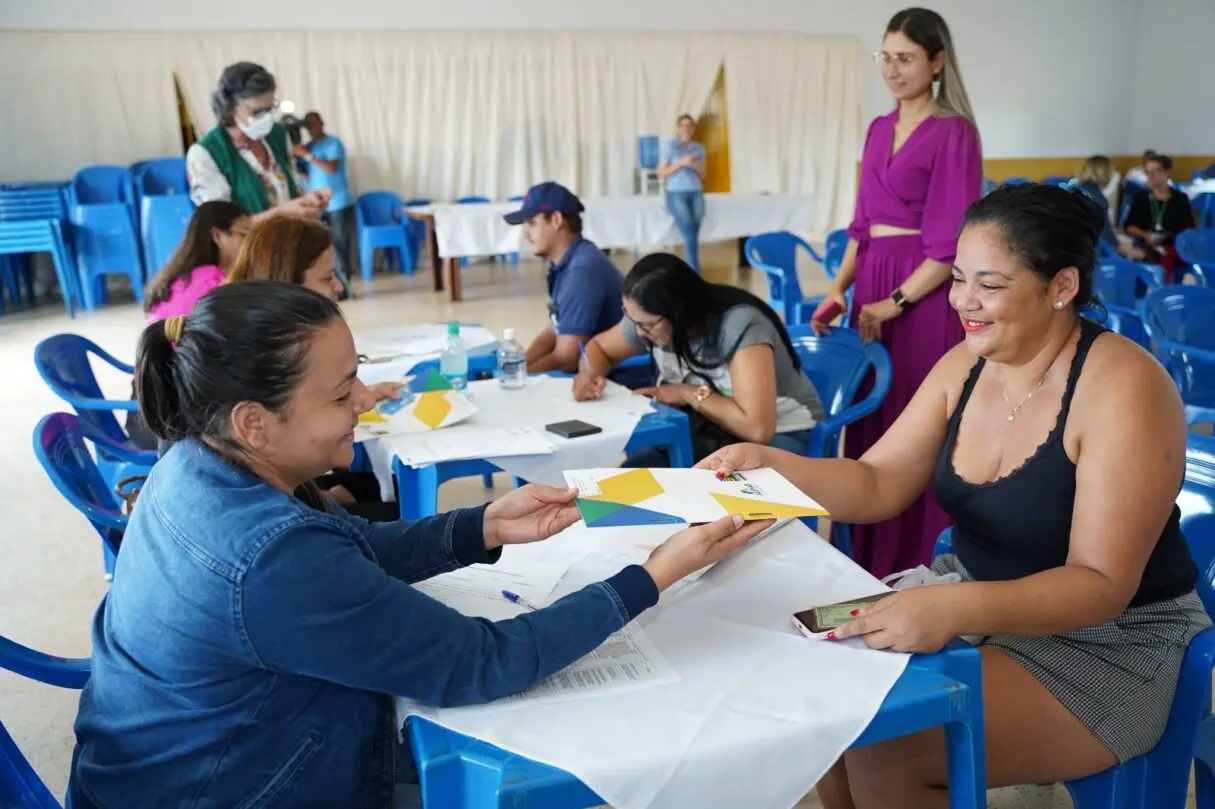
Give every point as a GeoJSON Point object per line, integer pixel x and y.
{"type": "Point", "coordinates": [830, 636]}
{"type": "Point", "coordinates": [855, 612]}
{"type": "Point", "coordinates": [721, 475]}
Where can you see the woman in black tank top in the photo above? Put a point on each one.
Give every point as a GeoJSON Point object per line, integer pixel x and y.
{"type": "Point", "coordinates": [1058, 449]}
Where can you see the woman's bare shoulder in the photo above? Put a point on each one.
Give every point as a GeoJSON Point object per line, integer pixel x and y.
{"type": "Point", "coordinates": [1120, 376]}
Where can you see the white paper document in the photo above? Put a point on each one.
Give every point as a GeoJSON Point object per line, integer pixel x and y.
{"type": "Point", "coordinates": [626, 661]}
{"type": "Point", "coordinates": [436, 446]}
{"type": "Point", "coordinates": [477, 590]}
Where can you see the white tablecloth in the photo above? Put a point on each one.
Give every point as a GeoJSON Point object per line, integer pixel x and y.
{"type": "Point", "coordinates": [638, 221]}
{"type": "Point", "coordinates": [760, 713]}
{"type": "Point", "coordinates": [546, 400]}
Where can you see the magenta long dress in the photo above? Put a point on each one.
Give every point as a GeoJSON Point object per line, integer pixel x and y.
{"type": "Point", "coordinates": [927, 186]}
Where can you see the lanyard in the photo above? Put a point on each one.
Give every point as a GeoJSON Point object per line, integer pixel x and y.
{"type": "Point", "coordinates": [1158, 207]}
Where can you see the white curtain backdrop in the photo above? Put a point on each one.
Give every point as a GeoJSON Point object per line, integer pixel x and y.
{"type": "Point", "coordinates": [442, 115]}
{"type": "Point", "coordinates": [795, 120]}
{"type": "Point", "coordinates": [74, 100]}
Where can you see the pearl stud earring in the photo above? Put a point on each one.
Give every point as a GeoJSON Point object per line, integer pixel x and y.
{"type": "Point", "coordinates": [1058, 304]}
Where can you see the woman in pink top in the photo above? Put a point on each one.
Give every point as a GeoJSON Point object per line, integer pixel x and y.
{"type": "Point", "coordinates": [920, 170]}
{"type": "Point", "coordinates": [201, 261]}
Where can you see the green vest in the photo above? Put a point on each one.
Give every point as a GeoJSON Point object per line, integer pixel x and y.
{"type": "Point", "coordinates": [248, 191]}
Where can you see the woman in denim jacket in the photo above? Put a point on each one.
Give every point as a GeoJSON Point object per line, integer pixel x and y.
{"type": "Point", "coordinates": [255, 634]}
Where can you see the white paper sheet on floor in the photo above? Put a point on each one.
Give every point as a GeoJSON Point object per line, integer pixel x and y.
{"type": "Point", "coordinates": [545, 400]}
{"type": "Point", "coordinates": [634, 221]}
{"type": "Point", "coordinates": [759, 713]}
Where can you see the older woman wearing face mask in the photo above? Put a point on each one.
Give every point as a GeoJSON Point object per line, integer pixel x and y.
{"type": "Point", "coordinates": [246, 158]}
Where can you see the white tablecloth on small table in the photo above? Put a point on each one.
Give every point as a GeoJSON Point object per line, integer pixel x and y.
{"type": "Point", "coordinates": [637, 221]}
{"type": "Point", "coordinates": [545, 400]}
{"type": "Point", "coordinates": [760, 712]}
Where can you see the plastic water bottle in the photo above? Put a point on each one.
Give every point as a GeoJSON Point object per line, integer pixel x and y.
{"type": "Point", "coordinates": [453, 365]}
{"type": "Point", "coordinates": [512, 363]}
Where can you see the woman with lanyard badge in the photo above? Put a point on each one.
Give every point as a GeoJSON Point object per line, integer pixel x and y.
{"type": "Point", "coordinates": [1158, 214]}
{"type": "Point", "coordinates": [245, 159]}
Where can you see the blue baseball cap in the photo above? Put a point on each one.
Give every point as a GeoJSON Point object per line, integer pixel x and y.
{"type": "Point", "coordinates": [547, 197]}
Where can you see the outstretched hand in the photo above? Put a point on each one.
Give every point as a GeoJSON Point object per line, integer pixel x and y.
{"type": "Point", "coordinates": [529, 514]}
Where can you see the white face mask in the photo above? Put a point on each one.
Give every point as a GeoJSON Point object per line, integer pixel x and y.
{"type": "Point", "coordinates": [258, 127]}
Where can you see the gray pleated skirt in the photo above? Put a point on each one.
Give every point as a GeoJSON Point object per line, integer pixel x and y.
{"type": "Point", "coordinates": [1118, 678]}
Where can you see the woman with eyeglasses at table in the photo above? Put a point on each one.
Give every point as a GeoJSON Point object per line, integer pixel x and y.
{"type": "Point", "coordinates": [246, 158]}
{"type": "Point", "coordinates": [255, 634]}
{"type": "Point", "coordinates": [920, 169]}
{"type": "Point", "coordinates": [723, 357]}
{"type": "Point", "coordinates": [1058, 448]}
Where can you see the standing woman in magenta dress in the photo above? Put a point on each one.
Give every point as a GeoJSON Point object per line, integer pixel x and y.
{"type": "Point", "coordinates": [920, 170]}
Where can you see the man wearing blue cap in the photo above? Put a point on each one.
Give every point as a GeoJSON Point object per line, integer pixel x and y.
{"type": "Point", "coordinates": [584, 286]}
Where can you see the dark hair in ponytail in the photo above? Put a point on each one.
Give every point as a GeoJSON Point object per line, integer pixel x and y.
{"type": "Point", "coordinates": [1048, 228]}
{"type": "Point", "coordinates": [242, 343]}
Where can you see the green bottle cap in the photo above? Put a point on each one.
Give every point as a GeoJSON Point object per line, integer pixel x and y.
{"type": "Point", "coordinates": [453, 328]}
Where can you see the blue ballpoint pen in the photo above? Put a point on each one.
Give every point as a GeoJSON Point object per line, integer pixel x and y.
{"type": "Point", "coordinates": [518, 599]}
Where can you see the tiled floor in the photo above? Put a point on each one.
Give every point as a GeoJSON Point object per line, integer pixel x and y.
{"type": "Point", "coordinates": [51, 580]}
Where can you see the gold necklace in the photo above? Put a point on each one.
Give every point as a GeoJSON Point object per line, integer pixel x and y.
{"type": "Point", "coordinates": [1013, 411]}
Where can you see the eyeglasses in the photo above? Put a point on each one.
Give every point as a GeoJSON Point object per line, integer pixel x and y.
{"type": "Point", "coordinates": [647, 328]}
{"type": "Point", "coordinates": [899, 59]}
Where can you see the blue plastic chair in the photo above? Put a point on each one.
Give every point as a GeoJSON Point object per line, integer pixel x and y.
{"type": "Point", "coordinates": [164, 220]}
{"type": "Point", "coordinates": [1197, 249]}
{"type": "Point", "coordinates": [1017, 181]}
{"type": "Point", "coordinates": [33, 219]}
{"type": "Point", "coordinates": [647, 152]}
{"type": "Point", "coordinates": [776, 254]}
{"type": "Point", "coordinates": [989, 186]}
{"type": "Point", "coordinates": [1160, 778]}
{"type": "Point", "coordinates": [1056, 179]}
{"type": "Point", "coordinates": [161, 177]}
{"type": "Point", "coordinates": [470, 201]}
{"type": "Point", "coordinates": [1120, 284]}
{"type": "Point", "coordinates": [839, 364]}
{"type": "Point", "coordinates": [63, 363]}
{"type": "Point", "coordinates": [101, 185]}
{"type": "Point", "coordinates": [20, 786]}
{"type": "Point", "coordinates": [104, 236]}
{"type": "Point", "coordinates": [59, 445]}
{"type": "Point", "coordinates": [1180, 321]}
{"type": "Point", "coordinates": [1204, 210]}
{"type": "Point", "coordinates": [378, 220]}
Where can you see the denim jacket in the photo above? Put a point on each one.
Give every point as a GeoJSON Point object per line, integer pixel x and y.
{"type": "Point", "coordinates": [248, 650]}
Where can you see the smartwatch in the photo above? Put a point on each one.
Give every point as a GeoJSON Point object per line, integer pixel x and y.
{"type": "Point", "coordinates": [900, 300]}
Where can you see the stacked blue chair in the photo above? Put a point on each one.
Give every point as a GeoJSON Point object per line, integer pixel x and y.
{"type": "Point", "coordinates": [33, 219]}
{"type": "Point", "coordinates": [101, 210]}
{"type": "Point", "coordinates": [60, 446]}
{"type": "Point", "coordinates": [1180, 321]}
{"type": "Point", "coordinates": [1160, 779]}
{"type": "Point", "coordinates": [1120, 284]}
{"type": "Point", "coordinates": [776, 254]}
{"type": "Point", "coordinates": [377, 217]}
{"type": "Point", "coordinates": [415, 232]}
{"type": "Point", "coordinates": [470, 201]}
{"type": "Point", "coordinates": [840, 364]}
{"type": "Point", "coordinates": [63, 363]}
{"type": "Point", "coordinates": [164, 222]}
{"type": "Point", "coordinates": [161, 177]}
{"type": "Point", "coordinates": [647, 152]}
{"type": "Point", "coordinates": [20, 786]}
{"type": "Point", "coordinates": [1196, 248]}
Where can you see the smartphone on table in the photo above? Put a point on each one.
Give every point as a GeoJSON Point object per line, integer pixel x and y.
{"type": "Point", "coordinates": [816, 621]}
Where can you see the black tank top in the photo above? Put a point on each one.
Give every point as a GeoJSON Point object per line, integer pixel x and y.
{"type": "Point", "coordinates": [1020, 524]}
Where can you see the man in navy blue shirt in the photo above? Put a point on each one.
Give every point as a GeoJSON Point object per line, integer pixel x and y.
{"type": "Point", "coordinates": [584, 286]}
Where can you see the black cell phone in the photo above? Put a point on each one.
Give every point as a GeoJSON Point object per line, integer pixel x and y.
{"type": "Point", "coordinates": [573, 429]}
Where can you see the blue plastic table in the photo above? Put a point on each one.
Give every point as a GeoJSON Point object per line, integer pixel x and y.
{"type": "Point", "coordinates": [944, 689]}
{"type": "Point", "coordinates": [418, 487]}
